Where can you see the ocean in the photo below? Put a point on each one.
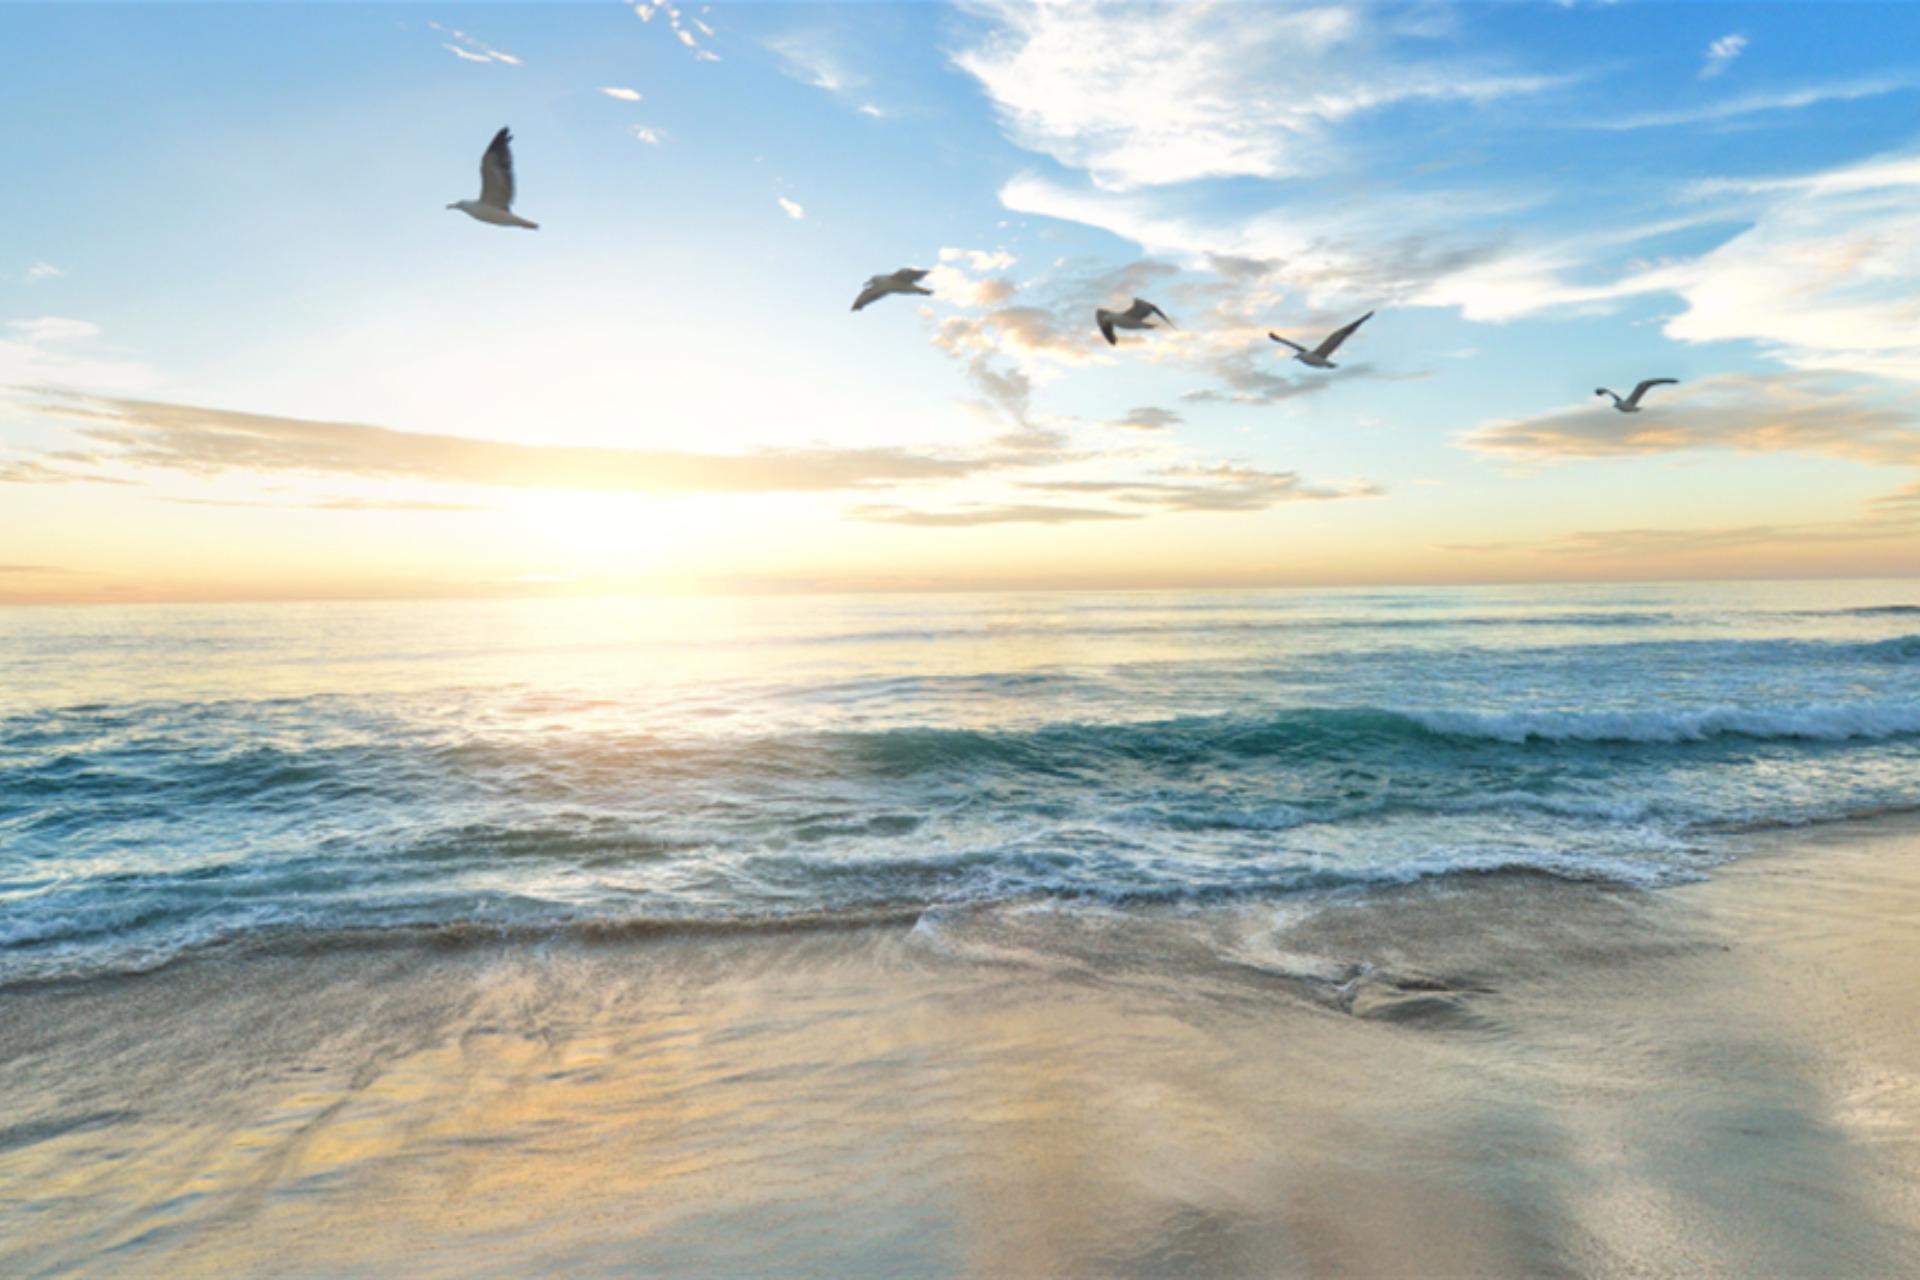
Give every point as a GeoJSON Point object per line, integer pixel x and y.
{"type": "Point", "coordinates": [183, 777]}
{"type": "Point", "coordinates": [1544, 931]}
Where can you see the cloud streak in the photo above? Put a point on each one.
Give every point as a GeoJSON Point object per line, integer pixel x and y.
{"type": "Point", "coordinates": [975, 515]}
{"type": "Point", "coordinates": [1221, 486]}
{"type": "Point", "coordinates": [469, 49]}
{"type": "Point", "coordinates": [1747, 413]}
{"type": "Point", "coordinates": [1721, 54]}
{"type": "Point", "coordinates": [202, 442]}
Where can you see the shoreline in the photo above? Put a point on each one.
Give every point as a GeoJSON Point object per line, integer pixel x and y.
{"type": "Point", "coordinates": [1510, 1076]}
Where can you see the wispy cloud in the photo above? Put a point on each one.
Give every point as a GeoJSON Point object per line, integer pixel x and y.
{"type": "Point", "coordinates": [1720, 55]}
{"type": "Point", "coordinates": [979, 259]}
{"type": "Point", "coordinates": [150, 435]}
{"type": "Point", "coordinates": [1826, 277]}
{"type": "Point", "coordinates": [56, 351]}
{"type": "Point", "coordinates": [806, 57]}
{"type": "Point", "coordinates": [335, 504]}
{"type": "Point", "coordinates": [1148, 419]}
{"type": "Point", "coordinates": [649, 136]}
{"type": "Point", "coordinates": [1762, 102]}
{"type": "Point", "coordinates": [678, 24]}
{"type": "Point", "coordinates": [793, 209]}
{"type": "Point", "coordinates": [42, 470]}
{"type": "Point", "coordinates": [37, 570]}
{"type": "Point", "coordinates": [972, 515]}
{"type": "Point", "coordinates": [470, 49]}
{"type": "Point", "coordinates": [1221, 486]}
{"type": "Point", "coordinates": [54, 329]}
{"type": "Point", "coordinates": [1747, 413]}
{"type": "Point", "coordinates": [1147, 94]}
{"type": "Point", "coordinates": [624, 95]}
{"type": "Point", "coordinates": [42, 271]}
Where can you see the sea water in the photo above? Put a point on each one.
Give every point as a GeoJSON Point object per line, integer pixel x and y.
{"type": "Point", "coordinates": [189, 777]}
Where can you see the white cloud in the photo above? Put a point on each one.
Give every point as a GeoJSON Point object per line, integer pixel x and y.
{"type": "Point", "coordinates": [52, 352]}
{"type": "Point", "coordinates": [42, 271]}
{"type": "Point", "coordinates": [1720, 55]}
{"type": "Point", "coordinates": [625, 95]}
{"type": "Point", "coordinates": [956, 287]}
{"type": "Point", "coordinates": [807, 59]}
{"type": "Point", "coordinates": [649, 136]}
{"type": "Point", "coordinates": [54, 329]}
{"type": "Point", "coordinates": [1827, 277]}
{"type": "Point", "coordinates": [794, 211]}
{"type": "Point", "coordinates": [1776, 100]}
{"type": "Point", "coordinates": [468, 49]}
{"type": "Point", "coordinates": [1335, 259]}
{"type": "Point", "coordinates": [980, 259]}
{"type": "Point", "coordinates": [1148, 95]}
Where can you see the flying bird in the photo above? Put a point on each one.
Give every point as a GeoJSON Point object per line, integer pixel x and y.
{"type": "Point", "coordinates": [905, 280]}
{"type": "Point", "coordinates": [496, 188]}
{"type": "Point", "coordinates": [1134, 317]}
{"type": "Point", "coordinates": [1317, 358]}
{"type": "Point", "coordinates": [1632, 403]}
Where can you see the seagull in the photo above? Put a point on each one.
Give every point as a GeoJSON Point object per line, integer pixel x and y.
{"type": "Point", "coordinates": [905, 280]}
{"type": "Point", "coordinates": [1632, 403]}
{"type": "Point", "coordinates": [496, 188]}
{"type": "Point", "coordinates": [1317, 358]}
{"type": "Point", "coordinates": [1134, 317]}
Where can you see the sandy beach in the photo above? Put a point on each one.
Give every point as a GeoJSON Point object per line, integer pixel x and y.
{"type": "Point", "coordinates": [1504, 1075]}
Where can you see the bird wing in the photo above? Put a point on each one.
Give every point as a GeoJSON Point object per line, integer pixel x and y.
{"type": "Point", "coordinates": [1285, 343]}
{"type": "Point", "coordinates": [874, 290]}
{"type": "Point", "coordinates": [496, 172]}
{"type": "Point", "coordinates": [1340, 335]}
{"type": "Point", "coordinates": [1105, 320]}
{"type": "Point", "coordinates": [1650, 382]}
{"type": "Point", "coordinates": [909, 275]}
{"type": "Point", "coordinates": [1140, 309]}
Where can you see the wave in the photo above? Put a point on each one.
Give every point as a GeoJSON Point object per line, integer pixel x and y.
{"type": "Point", "coordinates": [1897, 649]}
{"type": "Point", "coordinates": [51, 956]}
{"type": "Point", "coordinates": [1828, 722]}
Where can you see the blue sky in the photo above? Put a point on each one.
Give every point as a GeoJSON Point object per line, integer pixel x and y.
{"type": "Point", "coordinates": [246, 351]}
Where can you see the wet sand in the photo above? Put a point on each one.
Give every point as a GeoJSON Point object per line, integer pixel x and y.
{"type": "Point", "coordinates": [1494, 1076]}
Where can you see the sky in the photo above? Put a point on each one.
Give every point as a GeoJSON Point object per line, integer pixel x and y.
{"type": "Point", "coordinates": [247, 352]}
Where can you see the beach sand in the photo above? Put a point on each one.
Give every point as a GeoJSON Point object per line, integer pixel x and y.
{"type": "Point", "coordinates": [1503, 1075]}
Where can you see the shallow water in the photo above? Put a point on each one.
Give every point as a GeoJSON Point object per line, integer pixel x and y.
{"type": "Point", "coordinates": [1244, 934]}
{"type": "Point", "coordinates": [1507, 1075]}
{"type": "Point", "coordinates": [176, 777]}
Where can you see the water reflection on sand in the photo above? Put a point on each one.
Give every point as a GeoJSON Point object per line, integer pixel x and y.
{"type": "Point", "coordinates": [1511, 1076]}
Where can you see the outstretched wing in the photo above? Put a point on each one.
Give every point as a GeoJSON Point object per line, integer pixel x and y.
{"type": "Point", "coordinates": [909, 275]}
{"type": "Point", "coordinates": [496, 172]}
{"type": "Point", "coordinates": [1142, 309]}
{"type": "Point", "coordinates": [1285, 343]}
{"type": "Point", "coordinates": [875, 290]}
{"type": "Point", "coordinates": [1105, 321]}
{"type": "Point", "coordinates": [1650, 382]}
{"type": "Point", "coordinates": [1340, 335]}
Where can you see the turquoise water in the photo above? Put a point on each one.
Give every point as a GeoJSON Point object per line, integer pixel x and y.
{"type": "Point", "coordinates": [178, 777]}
